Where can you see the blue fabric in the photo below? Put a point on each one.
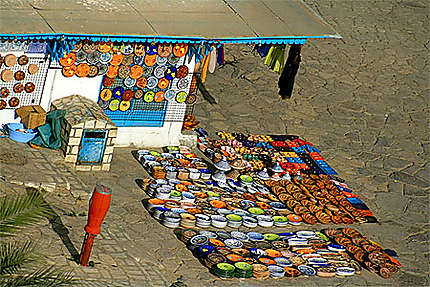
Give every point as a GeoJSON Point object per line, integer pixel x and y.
{"type": "Point", "coordinates": [263, 50]}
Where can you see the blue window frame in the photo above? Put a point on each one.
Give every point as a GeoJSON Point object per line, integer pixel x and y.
{"type": "Point", "coordinates": [92, 147]}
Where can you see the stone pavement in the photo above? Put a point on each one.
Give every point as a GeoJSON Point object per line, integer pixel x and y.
{"type": "Point", "coordinates": [362, 100]}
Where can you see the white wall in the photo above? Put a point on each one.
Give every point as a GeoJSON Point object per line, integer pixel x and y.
{"type": "Point", "coordinates": [149, 136]}
{"type": "Point", "coordinates": [57, 86]}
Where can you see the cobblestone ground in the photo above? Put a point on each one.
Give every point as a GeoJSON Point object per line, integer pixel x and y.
{"type": "Point", "coordinates": [362, 100]}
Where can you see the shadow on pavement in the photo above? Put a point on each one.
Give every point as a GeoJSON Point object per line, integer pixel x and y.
{"type": "Point", "coordinates": [62, 231]}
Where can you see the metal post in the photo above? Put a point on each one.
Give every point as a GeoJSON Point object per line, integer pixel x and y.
{"type": "Point", "coordinates": [87, 245]}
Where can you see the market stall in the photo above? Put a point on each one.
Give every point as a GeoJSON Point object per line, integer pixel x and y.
{"type": "Point", "coordinates": [141, 74]}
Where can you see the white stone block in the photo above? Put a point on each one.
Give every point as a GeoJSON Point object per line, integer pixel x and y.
{"type": "Point", "coordinates": [80, 125]}
{"type": "Point", "coordinates": [112, 133]}
{"type": "Point", "coordinates": [96, 167]}
{"type": "Point", "coordinates": [74, 149]}
{"type": "Point", "coordinates": [100, 125]}
{"type": "Point", "coordinates": [83, 167]}
{"type": "Point", "coordinates": [109, 150]}
{"type": "Point", "coordinates": [78, 133]}
{"type": "Point", "coordinates": [106, 167]}
{"type": "Point", "coordinates": [74, 141]}
{"type": "Point", "coordinates": [90, 124]}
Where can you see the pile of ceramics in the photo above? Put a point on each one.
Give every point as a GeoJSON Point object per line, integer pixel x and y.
{"type": "Point", "coordinates": [366, 252]}
{"type": "Point", "coordinates": [317, 198]}
{"type": "Point", "coordinates": [266, 156]}
{"type": "Point", "coordinates": [176, 163]}
{"type": "Point", "coordinates": [291, 254]}
{"type": "Point", "coordinates": [184, 192]}
{"type": "Point", "coordinates": [188, 192]}
{"type": "Point", "coordinates": [204, 203]}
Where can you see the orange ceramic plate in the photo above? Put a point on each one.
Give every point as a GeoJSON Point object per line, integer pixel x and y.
{"type": "Point", "coordinates": [234, 257]}
{"type": "Point", "coordinates": [273, 253]}
{"type": "Point", "coordinates": [68, 60]}
{"type": "Point", "coordinates": [69, 71]}
{"type": "Point", "coordinates": [217, 203]}
{"type": "Point", "coordinates": [267, 261]}
{"type": "Point", "coordinates": [141, 82]}
{"type": "Point", "coordinates": [163, 83]}
{"type": "Point", "coordinates": [112, 71]}
{"type": "Point", "coordinates": [159, 97]}
{"type": "Point", "coordinates": [180, 49]}
{"type": "Point", "coordinates": [216, 242]}
{"type": "Point", "coordinates": [106, 94]}
{"type": "Point", "coordinates": [294, 218]}
{"type": "Point", "coordinates": [116, 59]}
{"type": "Point", "coordinates": [150, 60]}
{"type": "Point", "coordinates": [82, 70]}
{"type": "Point", "coordinates": [136, 72]}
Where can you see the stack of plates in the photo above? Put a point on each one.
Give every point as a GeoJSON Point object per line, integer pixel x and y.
{"type": "Point", "coordinates": [224, 270]}
{"type": "Point", "coordinates": [280, 221]}
{"type": "Point", "coordinates": [265, 220]}
{"type": "Point", "coordinates": [218, 221]}
{"type": "Point", "coordinates": [203, 220]}
{"type": "Point", "coordinates": [243, 270]}
{"type": "Point", "coordinates": [170, 219]}
{"type": "Point", "coordinates": [158, 211]}
{"type": "Point", "coordinates": [234, 220]}
{"type": "Point", "coordinates": [249, 222]}
{"type": "Point", "coordinates": [276, 271]}
{"type": "Point", "coordinates": [188, 220]}
{"type": "Point", "coordinates": [260, 271]}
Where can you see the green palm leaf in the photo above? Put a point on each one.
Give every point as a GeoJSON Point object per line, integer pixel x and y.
{"type": "Point", "coordinates": [15, 255]}
{"type": "Point", "coordinates": [44, 277]}
{"type": "Point", "coordinates": [21, 211]}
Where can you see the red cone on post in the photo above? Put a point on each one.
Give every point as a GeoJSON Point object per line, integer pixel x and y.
{"type": "Point", "coordinates": [99, 205]}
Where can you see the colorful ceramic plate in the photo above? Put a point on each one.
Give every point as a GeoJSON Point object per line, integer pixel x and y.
{"type": "Point", "coordinates": [103, 68]}
{"type": "Point", "coordinates": [19, 75]}
{"type": "Point", "coordinates": [105, 58]}
{"type": "Point", "coordinates": [94, 71]}
{"type": "Point", "coordinates": [170, 73]}
{"type": "Point", "coordinates": [4, 92]}
{"type": "Point", "coordinates": [93, 57]}
{"type": "Point", "coordinates": [18, 88]}
{"type": "Point", "coordinates": [23, 60]}
{"type": "Point", "coordinates": [159, 71]}
{"type": "Point", "coordinates": [29, 87]}
{"type": "Point", "coordinates": [142, 82]}
{"type": "Point", "coordinates": [149, 96]}
{"type": "Point", "coordinates": [117, 92]}
{"type": "Point", "coordinates": [114, 105]}
{"type": "Point", "coordinates": [164, 50]}
{"type": "Point", "coordinates": [161, 61]}
{"type": "Point", "coordinates": [152, 82]}
{"type": "Point", "coordinates": [181, 97]}
{"type": "Point", "coordinates": [124, 105]}
{"type": "Point", "coordinates": [182, 84]}
{"type": "Point", "coordinates": [159, 96]}
{"type": "Point", "coordinates": [170, 95]}
{"type": "Point", "coordinates": [129, 82]}
{"type": "Point", "coordinates": [172, 59]}
{"type": "Point", "coordinates": [138, 94]}
{"type": "Point", "coordinates": [13, 102]}
{"type": "Point", "coordinates": [163, 83]}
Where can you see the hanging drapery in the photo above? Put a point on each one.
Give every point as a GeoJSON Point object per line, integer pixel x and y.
{"type": "Point", "coordinates": [286, 81]}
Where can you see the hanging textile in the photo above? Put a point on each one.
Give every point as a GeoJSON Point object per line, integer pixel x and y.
{"type": "Point", "coordinates": [275, 58]}
{"type": "Point", "coordinates": [286, 80]}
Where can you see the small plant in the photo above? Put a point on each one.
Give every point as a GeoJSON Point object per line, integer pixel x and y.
{"type": "Point", "coordinates": [19, 262]}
